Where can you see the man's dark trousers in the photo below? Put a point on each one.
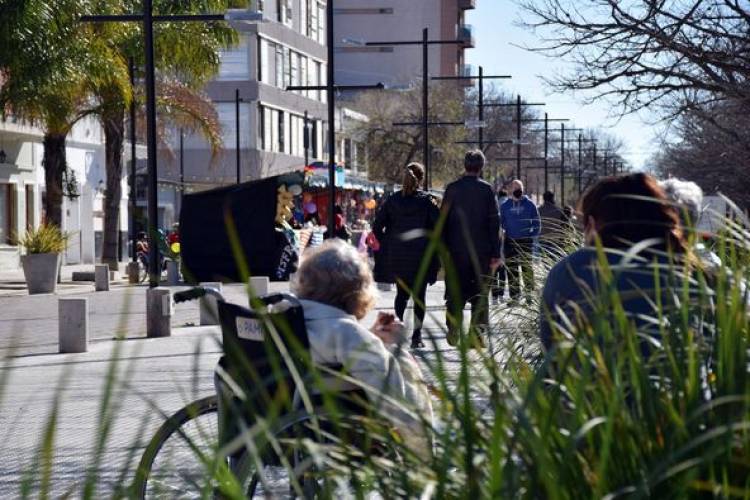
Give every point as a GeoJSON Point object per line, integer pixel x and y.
{"type": "Point", "coordinates": [472, 276]}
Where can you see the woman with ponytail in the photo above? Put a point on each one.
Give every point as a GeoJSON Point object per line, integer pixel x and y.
{"type": "Point", "coordinates": [403, 226]}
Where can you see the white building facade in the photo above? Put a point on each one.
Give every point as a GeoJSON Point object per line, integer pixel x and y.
{"type": "Point", "coordinates": [22, 191]}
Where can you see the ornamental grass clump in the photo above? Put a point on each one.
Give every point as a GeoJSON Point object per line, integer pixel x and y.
{"type": "Point", "coordinates": [47, 238]}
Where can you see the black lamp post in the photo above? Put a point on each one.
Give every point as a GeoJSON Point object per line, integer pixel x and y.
{"type": "Point", "coordinates": [425, 42]}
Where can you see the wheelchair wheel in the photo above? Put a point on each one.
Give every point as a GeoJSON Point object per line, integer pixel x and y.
{"type": "Point", "coordinates": [177, 460]}
{"type": "Point", "coordinates": [288, 469]}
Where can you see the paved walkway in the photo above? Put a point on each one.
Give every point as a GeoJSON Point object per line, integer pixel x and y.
{"type": "Point", "coordinates": [165, 372]}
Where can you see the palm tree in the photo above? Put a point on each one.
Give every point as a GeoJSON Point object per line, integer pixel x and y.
{"type": "Point", "coordinates": [191, 60]}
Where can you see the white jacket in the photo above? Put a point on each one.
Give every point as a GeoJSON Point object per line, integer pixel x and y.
{"type": "Point", "coordinates": [337, 338]}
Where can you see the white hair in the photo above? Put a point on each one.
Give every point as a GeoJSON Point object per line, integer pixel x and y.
{"type": "Point", "coordinates": [336, 274]}
{"type": "Point", "coordinates": [686, 194]}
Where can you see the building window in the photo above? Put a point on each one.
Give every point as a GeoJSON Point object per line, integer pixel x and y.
{"type": "Point", "coordinates": [304, 8]}
{"type": "Point", "coordinates": [268, 130]}
{"type": "Point", "coordinates": [279, 66]}
{"type": "Point", "coordinates": [303, 62]}
{"type": "Point", "coordinates": [29, 206]}
{"type": "Point", "coordinates": [274, 128]}
{"type": "Point", "coordinates": [294, 65]}
{"type": "Point", "coordinates": [262, 127]}
{"type": "Point", "coordinates": [288, 13]}
{"type": "Point", "coordinates": [321, 23]}
{"type": "Point", "coordinates": [287, 68]}
{"type": "Point", "coordinates": [7, 213]}
{"type": "Point", "coordinates": [312, 25]}
{"type": "Point", "coordinates": [262, 59]}
{"type": "Point", "coordinates": [282, 136]}
{"type": "Point", "coordinates": [318, 79]}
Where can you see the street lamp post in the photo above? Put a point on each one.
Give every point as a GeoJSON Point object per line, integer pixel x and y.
{"type": "Point", "coordinates": [519, 121]}
{"type": "Point", "coordinates": [425, 42]}
{"type": "Point", "coordinates": [182, 167]}
{"type": "Point", "coordinates": [480, 104]}
{"type": "Point", "coordinates": [306, 138]}
{"type": "Point", "coordinates": [237, 101]}
{"type": "Point", "coordinates": [133, 160]}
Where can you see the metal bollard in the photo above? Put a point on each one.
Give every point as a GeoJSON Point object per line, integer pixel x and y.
{"type": "Point", "coordinates": [173, 273]}
{"type": "Point", "coordinates": [209, 310]}
{"type": "Point", "coordinates": [73, 324]}
{"type": "Point", "coordinates": [259, 285]}
{"type": "Point", "coordinates": [159, 310]}
{"type": "Point", "coordinates": [134, 269]}
{"type": "Point", "coordinates": [101, 278]}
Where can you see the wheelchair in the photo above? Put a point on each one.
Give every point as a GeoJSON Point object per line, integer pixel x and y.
{"type": "Point", "coordinates": [266, 432]}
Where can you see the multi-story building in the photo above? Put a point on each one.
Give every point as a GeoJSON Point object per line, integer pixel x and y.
{"type": "Point", "coordinates": [359, 21]}
{"type": "Point", "coordinates": [287, 49]}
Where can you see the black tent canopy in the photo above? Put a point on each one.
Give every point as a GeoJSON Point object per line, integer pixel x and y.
{"type": "Point", "coordinates": [206, 221]}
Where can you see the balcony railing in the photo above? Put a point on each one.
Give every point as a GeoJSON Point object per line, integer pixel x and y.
{"type": "Point", "coordinates": [466, 35]}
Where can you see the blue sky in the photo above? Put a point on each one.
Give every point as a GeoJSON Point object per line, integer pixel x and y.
{"type": "Point", "coordinates": [496, 50]}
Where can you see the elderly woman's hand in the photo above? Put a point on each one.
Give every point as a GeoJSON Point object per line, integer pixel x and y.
{"type": "Point", "coordinates": [388, 329]}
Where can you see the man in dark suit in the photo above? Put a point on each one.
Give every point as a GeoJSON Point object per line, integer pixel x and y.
{"type": "Point", "coordinates": [472, 237]}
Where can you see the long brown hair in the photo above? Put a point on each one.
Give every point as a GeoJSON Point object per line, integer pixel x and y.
{"type": "Point", "coordinates": [632, 208]}
{"type": "Point", "coordinates": [413, 176]}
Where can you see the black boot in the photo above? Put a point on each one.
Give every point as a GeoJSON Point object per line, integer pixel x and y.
{"type": "Point", "coordinates": [416, 340]}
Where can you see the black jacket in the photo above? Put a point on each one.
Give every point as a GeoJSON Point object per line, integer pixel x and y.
{"type": "Point", "coordinates": [402, 226]}
{"type": "Point", "coordinates": [472, 220]}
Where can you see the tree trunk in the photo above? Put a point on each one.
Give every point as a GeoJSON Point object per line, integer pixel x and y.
{"type": "Point", "coordinates": [114, 136]}
{"type": "Point", "coordinates": [54, 162]}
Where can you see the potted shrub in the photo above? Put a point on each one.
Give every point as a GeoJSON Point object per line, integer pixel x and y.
{"type": "Point", "coordinates": [42, 260]}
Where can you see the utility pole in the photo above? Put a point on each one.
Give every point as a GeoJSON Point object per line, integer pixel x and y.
{"type": "Point", "coordinates": [481, 109]}
{"type": "Point", "coordinates": [562, 164]}
{"type": "Point", "coordinates": [237, 135]}
{"type": "Point", "coordinates": [518, 136]}
{"type": "Point", "coordinates": [425, 107]}
{"type": "Point", "coordinates": [546, 152]}
{"type": "Point", "coordinates": [182, 167]}
{"type": "Point", "coordinates": [133, 161]}
{"type": "Point", "coordinates": [306, 138]}
{"type": "Point", "coordinates": [425, 42]}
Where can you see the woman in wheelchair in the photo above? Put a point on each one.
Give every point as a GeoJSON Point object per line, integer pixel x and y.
{"type": "Point", "coordinates": [335, 287]}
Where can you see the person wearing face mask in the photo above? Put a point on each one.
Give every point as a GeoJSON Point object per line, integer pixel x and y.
{"type": "Point", "coordinates": [618, 213]}
{"type": "Point", "coordinates": [519, 218]}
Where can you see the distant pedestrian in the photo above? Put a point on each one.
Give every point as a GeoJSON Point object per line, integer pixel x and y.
{"type": "Point", "coordinates": [501, 275]}
{"type": "Point", "coordinates": [340, 229]}
{"type": "Point", "coordinates": [520, 221]}
{"type": "Point", "coordinates": [402, 227]}
{"type": "Point", "coordinates": [472, 236]}
{"type": "Point", "coordinates": [554, 226]}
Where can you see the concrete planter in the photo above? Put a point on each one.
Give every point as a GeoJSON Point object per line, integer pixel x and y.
{"type": "Point", "coordinates": [40, 270]}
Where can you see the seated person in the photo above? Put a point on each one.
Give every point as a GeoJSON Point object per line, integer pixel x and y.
{"type": "Point", "coordinates": [336, 289]}
{"type": "Point", "coordinates": [619, 212]}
